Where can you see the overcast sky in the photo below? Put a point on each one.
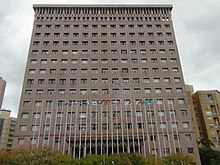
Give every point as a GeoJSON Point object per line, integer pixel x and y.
{"type": "Point", "coordinates": [197, 29]}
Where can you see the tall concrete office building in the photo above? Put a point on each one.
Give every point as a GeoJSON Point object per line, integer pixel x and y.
{"type": "Point", "coordinates": [2, 90]}
{"type": "Point", "coordinates": [105, 79]}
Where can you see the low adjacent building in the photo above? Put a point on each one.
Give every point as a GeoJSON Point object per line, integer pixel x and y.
{"type": "Point", "coordinates": [207, 110]}
{"type": "Point", "coordinates": [7, 128]}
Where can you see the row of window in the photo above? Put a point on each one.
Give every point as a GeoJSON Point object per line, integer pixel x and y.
{"type": "Point", "coordinates": [103, 80]}
{"type": "Point", "coordinates": [104, 126]}
{"type": "Point", "coordinates": [104, 61]}
{"type": "Point", "coordinates": [106, 91]}
{"type": "Point", "coordinates": [104, 71]}
{"type": "Point", "coordinates": [106, 114]}
{"type": "Point", "coordinates": [62, 103]}
{"type": "Point", "coordinates": [93, 34]}
{"type": "Point", "coordinates": [86, 43]}
{"type": "Point", "coordinates": [130, 26]}
{"type": "Point", "coordinates": [154, 151]}
{"type": "Point", "coordinates": [103, 18]}
{"type": "Point", "coordinates": [103, 52]}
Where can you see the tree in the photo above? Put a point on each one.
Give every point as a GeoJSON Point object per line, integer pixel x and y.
{"type": "Point", "coordinates": [205, 143]}
{"type": "Point", "coordinates": [177, 159]}
{"type": "Point", "coordinates": [209, 156]}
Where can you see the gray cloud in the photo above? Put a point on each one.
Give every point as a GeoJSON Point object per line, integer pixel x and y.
{"type": "Point", "coordinates": [196, 26]}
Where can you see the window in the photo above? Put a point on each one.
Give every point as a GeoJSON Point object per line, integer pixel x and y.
{"type": "Point", "coordinates": [42, 71]}
{"type": "Point", "coordinates": [82, 127]}
{"type": "Point", "coordinates": [23, 128]}
{"type": "Point", "coordinates": [37, 34]}
{"type": "Point", "coordinates": [39, 92]}
{"type": "Point", "coordinates": [104, 80]}
{"type": "Point", "coordinates": [73, 81]}
{"type": "Point", "coordinates": [140, 125]}
{"type": "Point", "coordinates": [190, 150]}
{"type": "Point", "coordinates": [170, 42]}
{"type": "Point", "coordinates": [123, 51]}
{"type": "Point", "coordinates": [124, 61]}
{"type": "Point", "coordinates": [20, 141]}
{"type": "Point", "coordinates": [133, 61]}
{"type": "Point", "coordinates": [32, 71]}
{"type": "Point", "coordinates": [166, 80]}
{"type": "Point", "coordinates": [175, 69]}
{"type": "Point", "coordinates": [171, 51]}
{"type": "Point", "coordinates": [161, 113]}
{"type": "Point", "coordinates": [158, 90]}
{"type": "Point", "coordinates": [163, 60]}
{"type": "Point", "coordinates": [168, 90]}
{"type": "Point", "coordinates": [117, 126]}
{"type": "Point", "coordinates": [125, 80]}
{"type": "Point", "coordinates": [179, 90]}
{"type": "Point", "coordinates": [144, 70]}
{"type": "Point", "coordinates": [181, 101]}
{"type": "Point", "coordinates": [160, 42]}
{"type": "Point", "coordinates": [165, 137]}
{"type": "Point", "coordinates": [188, 137]}
{"type": "Point", "coordinates": [166, 151]}
{"type": "Point", "coordinates": [53, 61]}
{"type": "Point", "coordinates": [104, 70]}
{"type": "Point", "coordinates": [94, 71]}
{"type": "Point", "coordinates": [185, 124]}
{"type": "Point", "coordinates": [34, 127]}
{"type": "Point", "coordinates": [183, 113]}
{"type": "Point", "coordinates": [134, 70]}
{"type": "Point", "coordinates": [64, 61]}
{"type": "Point", "coordinates": [140, 34]}
{"type": "Point", "coordinates": [153, 138]}
{"type": "Point", "coordinates": [33, 61]}
{"type": "Point", "coordinates": [146, 80]}
{"type": "Point", "coordinates": [83, 81]}
{"type": "Point", "coordinates": [38, 103]}
{"type": "Point", "coordinates": [47, 115]}
{"type": "Point", "coordinates": [126, 91]}
{"type": "Point", "coordinates": [133, 51]}
{"type": "Point", "coordinates": [84, 61]}
{"type": "Point", "coordinates": [156, 80]}
{"type": "Point", "coordinates": [143, 61]}
{"type": "Point", "coordinates": [72, 91]}
{"type": "Point", "coordinates": [24, 115]}
{"type": "Point", "coordinates": [176, 79]}
{"type": "Point", "coordinates": [114, 70]}
{"type": "Point", "coordinates": [62, 81]}
{"type": "Point", "coordinates": [162, 51]}
{"type": "Point", "coordinates": [104, 61]}
{"type": "Point", "coordinates": [74, 52]}
{"type": "Point", "coordinates": [124, 70]}
{"type": "Point", "coordinates": [137, 90]}
{"type": "Point", "coordinates": [155, 70]}
{"type": "Point", "coordinates": [115, 80]}
{"type": "Point", "coordinates": [26, 103]}
{"type": "Point", "coordinates": [165, 69]}
{"type": "Point", "coordinates": [172, 112]}
{"type": "Point", "coordinates": [147, 90]}
{"type": "Point", "coordinates": [174, 125]}
{"type": "Point", "coordinates": [173, 60]}
{"type": "Point", "coordinates": [105, 91]}
{"type": "Point", "coordinates": [94, 91]}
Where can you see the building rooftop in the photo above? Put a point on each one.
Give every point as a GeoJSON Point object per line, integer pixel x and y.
{"type": "Point", "coordinates": [104, 5]}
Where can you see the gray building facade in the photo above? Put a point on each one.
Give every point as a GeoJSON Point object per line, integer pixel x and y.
{"type": "Point", "coordinates": [105, 79]}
